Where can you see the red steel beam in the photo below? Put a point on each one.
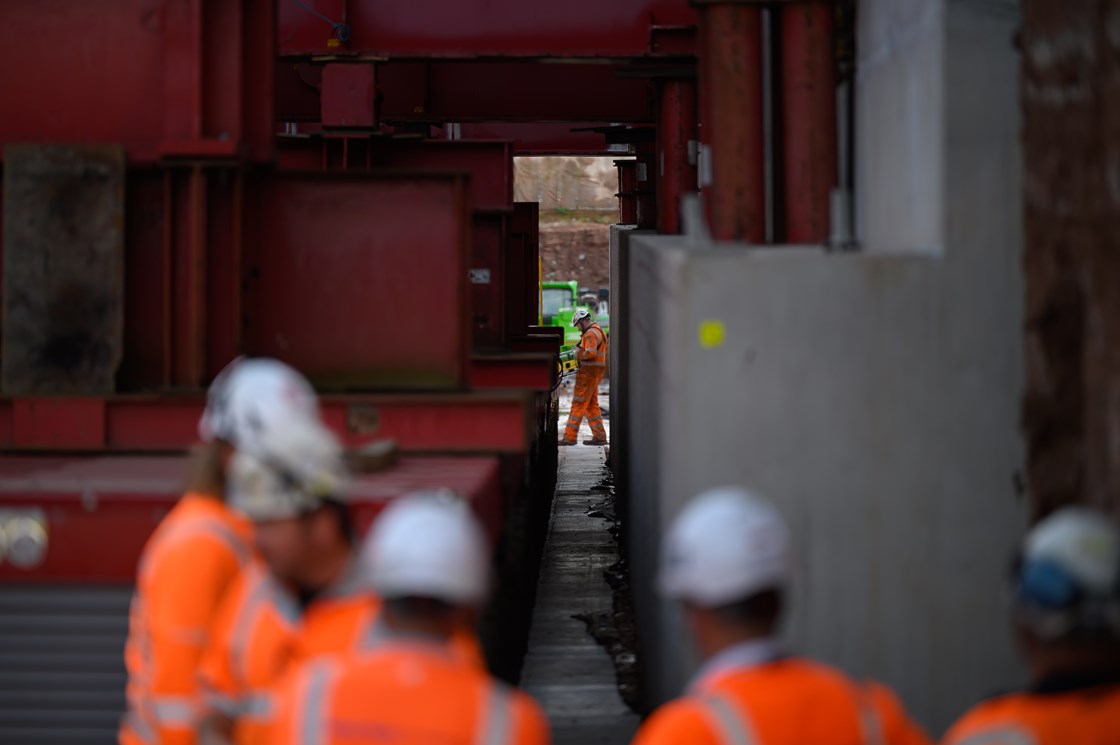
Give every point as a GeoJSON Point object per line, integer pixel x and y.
{"type": "Point", "coordinates": [100, 510]}
{"type": "Point", "coordinates": [808, 76]}
{"type": "Point", "coordinates": [677, 149]}
{"type": "Point", "coordinates": [518, 370]}
{"type": "Point", "coordinates": [731, 119]}
{"type": "Point", "coordinates": [496, 28]}
{"type": "Point", "coordinates": [481, 92]}
{"type": "Point", "coordinates": [493, 422]}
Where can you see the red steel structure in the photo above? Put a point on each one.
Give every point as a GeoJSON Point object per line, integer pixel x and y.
{"type": "Point", "coordinates": [328, 182]}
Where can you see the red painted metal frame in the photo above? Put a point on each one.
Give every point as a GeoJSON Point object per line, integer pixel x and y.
{"type": "Point", "coordinates": [491, 422]}
{"type": "Point", "coordinates": [486, 28]}
{"type": "Point", "coordinates": [517, 370]}
{"type": "Point", "coordinates": [677, 141]}
{"type": "Point", "coordinates": [571, 138]}
{"type": "Point", "coordinates": [336, 261]}
{"type": "Point", "coordinates": [101, 509]}
{"type": "Point", "coordinates": [523, 270]}
{"type": "Point", "coordinates": [731, 116]}
{"type": "Point", "coordinates": [347, 95]}
{"type": "Point", "coordinates": [489, 163]}
{"type": "Point", "coordinates": [177, 78]}
{"type": "Point", "coordinates": [473, 91]}
{"type": "Point", "coordinates": [808, 79]}
{"type": "Point", "coordinates": [511, 92]}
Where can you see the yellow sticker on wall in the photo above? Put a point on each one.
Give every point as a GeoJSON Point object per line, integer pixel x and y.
{"type": "Point", "coordinates": [712, 334]}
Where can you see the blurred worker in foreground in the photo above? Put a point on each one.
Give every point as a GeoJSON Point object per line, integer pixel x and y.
{"type": "Point", "coordinates": [307, 597]}
{"type": "Point", "coordinates": [727, 559]}
{"type": "Point", "coordinates": [592, 357]}
{"type": "Point", "coordinates": [427, 558]}
{"type": "Point", "coordinates": [1066, 615]}
{"type": "Point", "coordinates": [197, 551]}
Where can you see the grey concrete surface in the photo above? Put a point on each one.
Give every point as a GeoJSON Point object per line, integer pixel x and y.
{"type": "Point", "coordinates": [571, 675]}
{"type": "Point", "coordinates": [873, 396]}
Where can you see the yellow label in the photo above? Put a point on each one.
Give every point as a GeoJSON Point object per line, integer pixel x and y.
{"type": "Point", "coordinates": [712, 334]}
{"type": "Point", "coordinates": [333, 43]}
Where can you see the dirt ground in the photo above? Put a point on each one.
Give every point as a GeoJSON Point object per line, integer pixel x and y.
{"type": "Point", "coordinates": [576, 250]}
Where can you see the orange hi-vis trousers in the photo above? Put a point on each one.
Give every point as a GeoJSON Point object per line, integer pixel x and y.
{"type": "Point", "coordinates": [585, 404]}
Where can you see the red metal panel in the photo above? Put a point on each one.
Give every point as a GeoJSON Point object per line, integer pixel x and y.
{"type": "Point", "coordinates": [677, 141]}
{"type": "Point", "coordinates": [484, 91]}
{"type": "Point", "coordinates": [359, 281]}
{"type": "Point", "coordinates": [481, 27]}
{"type": "Point", "coordinates": [101, 510]}
{"type": "Point", "coordinates": [627, 191]}
{"type": "Point", "coordinates": [59, 423]}
{"type": "Point", "coordinates": [489, 163]}
{"type": "Point", "coordinates": [522, 269]}
{"type": "Point", "coordinates": [731, 119]}
{"type": "Point", "coordinates": [347, 95]}
{"type": "Point", "coordinates": [170, 77]}
{"type": "Point", "coordinates": [486, 273]}
{"type": "Point", "coordinates": [541, 139]}
{"type": "Point", "coordinates": [808, 77]}
{"type": "Point", "coordinates": [101, 82]}
{"type": "Point", "coordinates": [459, 422]}
{"type": "Point", "coordinates": [515, 370]}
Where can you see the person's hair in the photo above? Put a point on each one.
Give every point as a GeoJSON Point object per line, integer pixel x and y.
{"type": "Point", "coordinates": [205, 472]}
{"type": "Point", "coordinates": [763, 609]}
{"type": "Point", "coordinates": [412, 608]}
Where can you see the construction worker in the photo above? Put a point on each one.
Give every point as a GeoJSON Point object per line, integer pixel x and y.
{"type": "Point", "coordinates": [428, 560]}
{"type": "Point", "coordinates": [196, 552]}
{"type": "Point", "coordinates": [592, 357]}
{"type": "Point", "coordinates": [1066, 615]}
{"type": "Point", "coordinates": [726, 558]}
{"type": "Point", "coordinates": [304, 599]}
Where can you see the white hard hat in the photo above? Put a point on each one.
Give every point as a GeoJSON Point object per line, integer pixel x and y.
{"type": "Point", "coordinates": [251, 396]}
{"type": "Point", "coordinates": [431, 546]}
{"type": "Point", "coordinates": [1068, 574]}
{"type": "Point", "coordinates": [725, 546]}
{"type": "Point", "coordinates": [579, 315]}
{"type": "Point", "coordinates": [293, 470]}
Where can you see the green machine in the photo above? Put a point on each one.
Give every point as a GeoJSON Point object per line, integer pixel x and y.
{"type": "Point", "coordinates": [559, 301]}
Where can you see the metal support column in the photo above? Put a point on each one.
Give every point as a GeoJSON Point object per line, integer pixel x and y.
{"type": "Point", "coordinates": [808, 81]}
{"type": "Point", "coordinates": [731, 119]}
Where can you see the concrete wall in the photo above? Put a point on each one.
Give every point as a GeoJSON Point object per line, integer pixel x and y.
{"type": "Point", "coordinates": [874, 396]}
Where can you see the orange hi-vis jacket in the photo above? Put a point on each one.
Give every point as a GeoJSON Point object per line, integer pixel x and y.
{"type": "Point", "coordinates": [262, 632]}
{"type": "Point", "coordinates": [408, 691]}
{"type": "Point", "coordinates": [783, 702]}
{"type": "Point", "coordinates": [1056, 713]}
{"type": "Point", "coordinates": [187, 565]}
{"type": "Point", "coordinates": [593, 347]}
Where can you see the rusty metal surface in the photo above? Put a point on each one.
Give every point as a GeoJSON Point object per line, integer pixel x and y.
{"type": "Point", "coordinates": [731, 120]}
{"type": "Point", "coordinates": [63, 269]}
{"type": "Point", "coordinates": [358, 280]}
{"type": "Point", "coordinates": [1071, 140]}
{"type": "Point", "coordinates": [676, 144]}
{"type": "Point", "coordinates": [808, 80]}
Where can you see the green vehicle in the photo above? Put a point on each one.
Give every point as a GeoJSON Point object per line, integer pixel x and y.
{"type": "Point", "coordinates": [559, 301]}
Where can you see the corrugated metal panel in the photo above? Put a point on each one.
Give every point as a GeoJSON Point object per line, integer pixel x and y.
{"type": "Point", "coordinates": [62, 674]}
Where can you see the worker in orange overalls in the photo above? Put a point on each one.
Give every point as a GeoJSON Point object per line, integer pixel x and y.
{"type": "Point", "coordinates": [1066, 614]}
{"type": "Point", "coordinates": [428, 560]}
{"type": "Point", "coordinates": [305, 599]}
{"type": "Point", "coordinates": [196, 552]}
{"type": "Point", "coordinates": [726, 557]}
{"type": "Point", "coordinates": [592, 357]}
